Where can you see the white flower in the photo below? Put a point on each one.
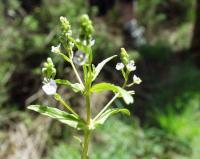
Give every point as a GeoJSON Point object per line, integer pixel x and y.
{"type": "Point", "coordinates": [119, 66]}
{"type": "Point", "coordinates": [55, 49]}
{"type": "Point", "coordinates": [80, 58]}
{"type": "Point", "coordinates": [136, 80]}
{"type": "Point", "coordinates": [50, 88]}
{"type": "Point", "coordinates": [92, 42]}
{"type": "Point", "coordinates": [84, 42]}
{"type": "Point", "coordinates": [131, 66]}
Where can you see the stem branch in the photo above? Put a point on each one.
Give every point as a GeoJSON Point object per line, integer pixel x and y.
{"type": "Point", "coordinates": [107, 105]}
{"type": "Point", "coordinates": [76, 73]}
{"type": "Point", "coordinates": [59, 98]}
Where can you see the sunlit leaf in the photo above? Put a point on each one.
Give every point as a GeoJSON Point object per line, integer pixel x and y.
{"type": "Point", "coordinates": [64, 117]}
{"type": "Point", "coordinates": [108, 86]}
{"type": "Point", "coordinates": [108, 113]}
{"type": "Point", "coordinates": [76, 87]}
{"type": "Point", "coordinates": [99, 67]}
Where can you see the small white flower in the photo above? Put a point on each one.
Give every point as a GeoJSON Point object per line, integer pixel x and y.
{"type": "Point", "coordinates": [50, 88]}
{"type": "Point", "coordinates": [92, 42]}
{"type": "Point", "coordinates": [78, 40]}
{"type": "Point", "coordinates": [84, 42]}
{"type": "Point", "coordinates": [136, 80]}
{"type": "Point", "coordinates": [131, 66]}
{"type": "Point", "coordinates": [119, 66]}
{"type": "Point", "coordinates": [80, 58]}
{"type": "Point", "coordinates": [55, 49]}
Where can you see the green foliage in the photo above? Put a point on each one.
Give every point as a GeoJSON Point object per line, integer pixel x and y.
{"type": "Point", "coordinates": [158, 52]}
{"type": "Point", "coordinates": [152, 13]}
{"type": "Point", "coordinates": [185, 124]}
{"type": "Point", "coordinates": [119, 140]}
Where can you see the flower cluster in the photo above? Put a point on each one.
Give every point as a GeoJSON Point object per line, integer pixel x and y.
{"type": "Point", "coordinates": [85, 83]}
{"type": "Point", "coordinates": [127, 66]}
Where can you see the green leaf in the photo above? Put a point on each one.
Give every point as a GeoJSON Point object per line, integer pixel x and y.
{"type": "Point", "coordinates": [64, 56]}
{"type": "Point", "coordinates": [76, 87]}
{"type": "Point", "coordinates": [64, 117]}
{"type": "Point", "coordinates": [100, 66]}
{"type": "Point", "coordinates": [108, 86]}
{"type": "Point", "coordinates": [108, 113]}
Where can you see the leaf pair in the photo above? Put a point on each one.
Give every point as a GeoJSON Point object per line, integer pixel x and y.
{"type": "Point", "coordinates": [73, 120]}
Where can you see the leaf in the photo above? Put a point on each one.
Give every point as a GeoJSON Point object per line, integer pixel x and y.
{"type": "Point", "coordinates": [100, 66]}
{"type": "Point", "coordinates": [108, 86]}
{"type": "Point", "coordinates": [76, 87]}
{"type": "Point", "coordinates": [108, 113]}
{"type": "Point", "coordinates": [64, 117]}
{"type": "Point", "coordinates": [64, 57]}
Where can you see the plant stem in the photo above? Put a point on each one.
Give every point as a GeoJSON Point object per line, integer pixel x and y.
{"type": "Point", "coordinates": [88, 111]}
{"type": "Point", "coordinates": [87, 132]}
{"type": "Point", "coordinates": [76, 73]}
{"type": "Point", "coordinates": [87, 135]}
{"type": "Point", "coordinates": [110, 102]}
{"type": "Point", "coordinates": [107, 105]}
{"type": "Point", "coordinates": [66, 105]}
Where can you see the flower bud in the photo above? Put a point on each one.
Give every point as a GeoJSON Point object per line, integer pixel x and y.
{"type": "Point", "coordinates": [49, 70]}
{"type": "Point", "coordinates": [86, 28]}
{"type": "Point", "coordinates": [124, 56]}
{"type": "Point", "coordinates": [65, 25]}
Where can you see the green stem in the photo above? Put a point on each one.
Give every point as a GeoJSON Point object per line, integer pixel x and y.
{"type": "Point", "coordinates": [76, 73]}
{"type": "Point", "coordinates": [110, 102]}
{"type": "Point", "coordinates": [87, 136]}
{"type": "Point", "coordinates": [88, 108]}
{"type": "Point", "coordinates": [59, 98]}
{"type": "Point", "coordinates": [87, 133]}
{"type": "Point", "coordinates": [106, 106]}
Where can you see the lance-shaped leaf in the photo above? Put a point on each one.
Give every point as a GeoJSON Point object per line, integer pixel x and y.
{"type": "Point", "coordinates": [64, 117]}
{"type": "Point", "coordinates": [108, 86]}
{"type": "Point", "coordinates": [108, 113]}
{"type": "Point", "coordinates": [76, 87]}
{"type": "Point", "coordinates": [99, 67]}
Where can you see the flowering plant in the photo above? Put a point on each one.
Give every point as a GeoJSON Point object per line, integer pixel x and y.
{"type": "Point", "coordinates": [85, 85]}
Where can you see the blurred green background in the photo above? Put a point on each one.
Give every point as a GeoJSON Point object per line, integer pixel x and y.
{"type": "Point", "coordinates": [165, 121]}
